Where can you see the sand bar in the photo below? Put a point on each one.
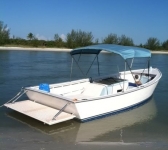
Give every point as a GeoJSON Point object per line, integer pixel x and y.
{"type": "Point", "coordinates": [159, 52]}
{"type": "Point", "coordinates": [35, 49]}
{"type": "Point", "coordinates": [58, 49]}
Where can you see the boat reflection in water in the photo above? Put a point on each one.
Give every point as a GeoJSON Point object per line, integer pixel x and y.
{"type": "Point", "coordinates": [73, 131]}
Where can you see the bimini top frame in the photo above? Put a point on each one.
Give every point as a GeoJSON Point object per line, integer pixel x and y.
{"type": "Point", "coordinates": [125, 52]}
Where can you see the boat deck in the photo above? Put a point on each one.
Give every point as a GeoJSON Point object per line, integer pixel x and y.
{"type": "Point", "coordinates": [40, 112]}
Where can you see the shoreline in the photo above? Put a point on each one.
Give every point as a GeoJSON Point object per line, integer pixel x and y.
{"type": "Point", "coordinates": [57, 49]}
{"type": "Point", "coordinates": [36, 49]}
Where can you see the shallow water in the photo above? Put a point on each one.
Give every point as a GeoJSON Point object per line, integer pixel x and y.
{"type": "Point", "coordinates": [143, 127]}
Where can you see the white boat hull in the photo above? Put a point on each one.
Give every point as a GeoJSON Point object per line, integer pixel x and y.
{"type": "Point", "coordinates": [96, 107]}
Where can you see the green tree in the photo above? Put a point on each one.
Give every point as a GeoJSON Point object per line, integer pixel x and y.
{"type": "Point", "coordinates": [71, 39]}
{"type": "Point", "coordinates": [58, 40]}
{"type": "Point", "coordinates": [140, 45]}
{"type": "Point", "coordinates": [111, 39]}
{"type": "Point", "coordinates": [30, 36]}
{"type": "Point", "coordinates": [18, 41]}
{"type": "Point", "coordinates": [79, 38]}
{"type": "Point", "coordinates": [4, 33]}
{"type": "Point", "coordinates": [127, 41]}
{"type": "Point", "coordinates": [96, 41]}
{"type": "Point", "coordinates": [165, 45]}
{"type": "Point", "coordinates": [152, 43]}
{"type": "Point", "coordinates": [56, 37]}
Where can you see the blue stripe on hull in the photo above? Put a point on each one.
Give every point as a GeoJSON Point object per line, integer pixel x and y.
{"type": "Point", "coordinates": [116, 112]}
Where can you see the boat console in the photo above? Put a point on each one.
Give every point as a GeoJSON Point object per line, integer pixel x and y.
{"type": "Point", "coordinates": [110, 85]}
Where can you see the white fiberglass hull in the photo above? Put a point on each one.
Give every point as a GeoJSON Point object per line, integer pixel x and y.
{"type": "Point", "coordinates": [96, 107]}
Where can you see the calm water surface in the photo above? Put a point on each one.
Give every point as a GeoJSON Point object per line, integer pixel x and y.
{"type": "Point", "coordinates": [144, 127]}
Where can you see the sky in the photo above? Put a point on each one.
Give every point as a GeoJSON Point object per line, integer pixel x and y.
{"type": "Point", "coordinates": [137, 19]}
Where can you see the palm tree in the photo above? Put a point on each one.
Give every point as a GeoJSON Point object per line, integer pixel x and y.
{"type": "Point", "coordinates": [30, 36]}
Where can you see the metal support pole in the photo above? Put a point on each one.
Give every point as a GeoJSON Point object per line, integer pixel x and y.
{"type": "Point", "coordinates": [148, 67]}
{"type": "Point", "coordinates": [124, 74]}
{"type": "Point", "coordinates": [78, 66]}
{"type": "Point", "coordinates": [98, 65]}
{"type": "Point", "coordinates": [132, 74]}
{"type": "Point", "coordinates": [54, 118]}
{"type": "Point", "coordinates": [91, 65]}
{"type": "Point", "coordinates": [71, 69]}
{"type": "Point", "coordinates": [132, 62]}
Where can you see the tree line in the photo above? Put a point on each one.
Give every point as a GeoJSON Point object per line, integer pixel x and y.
{"type": "Point", "coordinates": [76, 38]}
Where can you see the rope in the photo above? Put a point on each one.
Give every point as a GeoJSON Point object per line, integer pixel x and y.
{"type": "Point", "coordinates": [18, 95]}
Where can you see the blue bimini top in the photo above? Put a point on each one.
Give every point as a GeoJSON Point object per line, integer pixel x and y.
{"type": "Point", "coordinates": [124, 51]}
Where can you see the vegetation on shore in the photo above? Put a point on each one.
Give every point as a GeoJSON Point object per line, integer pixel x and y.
{"type": "Point", "coordinates": [76, 38]}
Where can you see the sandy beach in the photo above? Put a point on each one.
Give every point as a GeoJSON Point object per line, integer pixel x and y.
{"type": "Point", "coordinates": [159, 52]}
{"type": "Point", "coordinates": [35, 49]}
{"type": "Point", "coordinates": [58, 49]}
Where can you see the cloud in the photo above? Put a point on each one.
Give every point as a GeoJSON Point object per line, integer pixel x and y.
{"type": "Point", "coordinates": [7, 28]}
{"type": "Point", "coordinates": [40, 37]}
{"type": "Point", "coordinates": [63, 37]}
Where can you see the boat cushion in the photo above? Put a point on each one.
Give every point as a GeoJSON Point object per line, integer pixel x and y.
{"type": "Point", "coordinates": [93, 89]}
{"type": "Point", "coordinates": [144, 79]}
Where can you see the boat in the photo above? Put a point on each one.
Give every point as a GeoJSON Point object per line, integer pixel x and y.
{"type": "Point", "coordinates": [89, 98]}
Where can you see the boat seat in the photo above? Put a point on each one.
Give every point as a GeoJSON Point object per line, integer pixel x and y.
{"type": "Point", "coordinates": [93, 89]}
{"type": "Point", "coordinates": [90, 91]}
{"type": "Point", "coordinates": [144, 79]}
